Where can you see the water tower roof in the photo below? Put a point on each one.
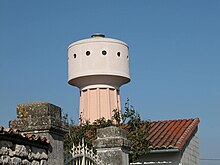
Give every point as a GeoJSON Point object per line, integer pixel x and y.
{"type": "Point", "coordinates": [97, 37]}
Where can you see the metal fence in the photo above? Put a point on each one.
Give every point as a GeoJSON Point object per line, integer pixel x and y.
{"type": "Point", "coordinates": [81, 155]}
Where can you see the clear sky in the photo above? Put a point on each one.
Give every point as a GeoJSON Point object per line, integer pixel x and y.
{"type": "Point", "coordinates": [174, 57]}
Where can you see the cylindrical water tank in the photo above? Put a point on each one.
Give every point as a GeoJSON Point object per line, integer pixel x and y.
{"type": "Point", "coordinates": [98, 61]}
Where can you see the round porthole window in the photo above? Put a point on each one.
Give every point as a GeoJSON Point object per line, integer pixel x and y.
{"type": "Point", "coordinates": [87, 53]}
{"type": "Point", "coordinates": [118, 54]}
{"type": "Point", "coordinates": [104, 52]}
{"type": "Point", "coordinates": [74, 55]}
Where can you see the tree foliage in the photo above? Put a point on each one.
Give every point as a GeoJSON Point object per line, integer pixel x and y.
{"type": "Point", "coordinates": [130, 120]}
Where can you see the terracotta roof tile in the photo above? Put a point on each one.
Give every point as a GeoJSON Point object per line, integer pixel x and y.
{"type": "Point", "coordinates": [31, 137]}
{"type": "Point", "coordinates": [171, 134]}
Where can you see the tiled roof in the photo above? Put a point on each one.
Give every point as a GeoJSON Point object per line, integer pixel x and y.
{"type": "Point", "coordinates": [30, 137]}
{"type": "Point", "coordinates": [171, 134]}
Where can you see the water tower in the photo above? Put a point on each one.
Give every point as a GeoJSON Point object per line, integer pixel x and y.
{"type": "Point", "coordinates": [98, 66]}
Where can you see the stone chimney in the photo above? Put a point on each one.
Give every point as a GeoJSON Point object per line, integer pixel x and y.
{"type": "Point", "coordinates": [44, 119]}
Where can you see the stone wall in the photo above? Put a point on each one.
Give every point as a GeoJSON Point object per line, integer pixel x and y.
{"type": "Point", "coordinates": [190, 156]}
{"type": "Point", "coordinates": [43, 119]}
{"type": "Point", "coordinates": [12, 152]}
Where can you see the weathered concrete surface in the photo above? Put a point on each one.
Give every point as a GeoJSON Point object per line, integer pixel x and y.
{"type": "Point", "coordinates": [38, 116]}
{"type": "Point", "coordinates": [43, 119]}
{"type": "Point", "coordinates": [112, 146]}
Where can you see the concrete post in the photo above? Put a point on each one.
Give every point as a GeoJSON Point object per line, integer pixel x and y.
{"type": "Point", "coordinates": [44, 119]}
{"type": "Point", "coordinates": [112, 146]}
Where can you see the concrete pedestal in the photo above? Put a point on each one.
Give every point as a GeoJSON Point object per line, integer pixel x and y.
{"type": "Point", "coordinates": [44, 119]}
{"type": "Point", "coordinates": [112, 146]}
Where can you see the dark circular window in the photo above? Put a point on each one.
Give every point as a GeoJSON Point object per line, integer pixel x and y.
{"type": "Point", "coordinates": [87, 53]}
{"type": "Point", "coordinates": [74, 55]}
{"type": "Point", "coordinates": [118, 54]}
{"type": "Point", "coordinates": [104, 52]}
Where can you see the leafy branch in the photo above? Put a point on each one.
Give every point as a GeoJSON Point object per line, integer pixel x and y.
{"type": "Point", "coordinates": [130, 120]}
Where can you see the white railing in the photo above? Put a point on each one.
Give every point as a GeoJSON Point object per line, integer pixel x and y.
{"type": "Point", "coordinates": [82, 155]}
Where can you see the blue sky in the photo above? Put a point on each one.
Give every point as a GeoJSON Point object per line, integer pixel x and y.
{"type": "Point", "coordinates": [174, 57]}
